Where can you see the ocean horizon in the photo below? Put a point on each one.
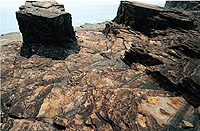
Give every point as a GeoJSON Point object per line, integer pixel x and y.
{"type": "Point", "coordinates": [82, 12]}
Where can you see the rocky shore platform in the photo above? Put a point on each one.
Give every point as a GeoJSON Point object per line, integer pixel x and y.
{"type": "Point", "coordinates": [123, 77]}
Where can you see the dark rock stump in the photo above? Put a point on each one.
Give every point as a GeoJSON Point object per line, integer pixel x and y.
{"type": "Point", "coordinates": [47, 30]}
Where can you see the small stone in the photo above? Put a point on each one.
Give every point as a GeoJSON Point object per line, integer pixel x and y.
{"type": "Point", "coordinates": [141, 120]}
{"type": "Point", "coordinates": [187, 125]}
{"type": "Point", "coordinates": [199, 109]}
{"type": "Point", "coordinates": [32, 50]}
{"type": "Point", "coordinates": [61, 121]}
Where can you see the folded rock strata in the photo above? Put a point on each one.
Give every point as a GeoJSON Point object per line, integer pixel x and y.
{"type": "Point", "coordinates": [96, 90]}
{"type": "Point", "coordinates": [46, 29]}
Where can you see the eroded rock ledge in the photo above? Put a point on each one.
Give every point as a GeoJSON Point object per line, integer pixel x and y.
{"type": "Point", "coordinates": [96, 90]}
{"type": "Point", "coordinates": [150, 19]}
{"type": "Point", "coordinates": [183, 5]}
{"type": "Point", "coordinates": [171, 50]}
{"type": "Point", "coordinates": [46, 29]}
{"type": "Point", "coordinates": [190, 8]}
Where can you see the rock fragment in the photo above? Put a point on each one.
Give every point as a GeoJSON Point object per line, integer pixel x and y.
{"type": "Point", "coordinates": [187, 124]}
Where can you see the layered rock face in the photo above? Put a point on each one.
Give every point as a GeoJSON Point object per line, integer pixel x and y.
{"type": "Point", "coordinates": [165, 43]}
{"type": "Point", "coordinates": [183, 5]}
{"type": "Point", "coordinates": [123, 79]}
{"type": "Point", "coordinates": [190, 8]}
{"type": "Point", "coordinates": [172, 56]}
{"type": "Point", "coordinates": [149, 19]}
{"type": "Point", "coordinates": [46, 29]}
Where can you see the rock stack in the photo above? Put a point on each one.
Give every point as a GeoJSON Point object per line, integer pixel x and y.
{"type": "Point", "coordinates": [47, 29]}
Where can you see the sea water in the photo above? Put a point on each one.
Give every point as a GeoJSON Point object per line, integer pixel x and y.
{"type": "Point", "coordinates": [82, 12]}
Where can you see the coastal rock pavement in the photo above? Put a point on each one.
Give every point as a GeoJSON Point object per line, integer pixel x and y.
{"type": "Point", "coordinates": [102, 87]}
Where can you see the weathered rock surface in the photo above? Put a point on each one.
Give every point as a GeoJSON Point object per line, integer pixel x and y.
{"type": "Point", "coordinates": [96, 90]}
{"type": "Point", "coordinates": [172, 56]}
{"type": "Point", "coordinates": [183, 5]}
{"type": "Point", "coordinates": [46, 29]}
{"type": "Point", "coordinates": [190, 8]}
{"type": "Point", "coordinates": [149, 19]}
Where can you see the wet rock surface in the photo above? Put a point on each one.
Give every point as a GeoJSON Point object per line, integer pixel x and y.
{"type": "Point", "coordinates": [121, 79]}
{"type": "Point", "coordinates": [46, 29]}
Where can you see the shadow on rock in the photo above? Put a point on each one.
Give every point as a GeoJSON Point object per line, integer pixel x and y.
{"type": "Point", "coordinates": [54, 52]}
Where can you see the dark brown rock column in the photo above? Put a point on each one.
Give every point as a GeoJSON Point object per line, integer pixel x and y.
{"type": "Point", "coordinates": [47, 29]}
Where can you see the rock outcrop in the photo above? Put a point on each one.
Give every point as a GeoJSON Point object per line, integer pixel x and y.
{"type": "Point", "coordinates": [150, 19]}
{"type": "Point", "coordinates": [190, 8]}
{"type": "Point", "coordinates": [125, 79]}
{"type": "Point", "coordinates": [183, 5]}
{"type": "Point", "coordinates": [46, 29]}
{"type": "Point", "coordinates": [172, 56]}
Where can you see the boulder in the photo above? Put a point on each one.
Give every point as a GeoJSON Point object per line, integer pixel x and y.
{"type": "Point", "coordinates": [46, 29]}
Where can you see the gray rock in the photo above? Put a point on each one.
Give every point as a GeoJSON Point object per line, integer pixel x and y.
{"type": "Point", "coordinates": [189, 8]}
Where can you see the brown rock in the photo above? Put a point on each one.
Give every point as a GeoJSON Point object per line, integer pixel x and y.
{"type": "Point", "coordinates": [187, 124]}
{"type": "Point", "coordinates": [148, 18]}
{"type": "Point", "coordinates": [172, 58]}
{"type": "Point", "coordinates": [95, 89]}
